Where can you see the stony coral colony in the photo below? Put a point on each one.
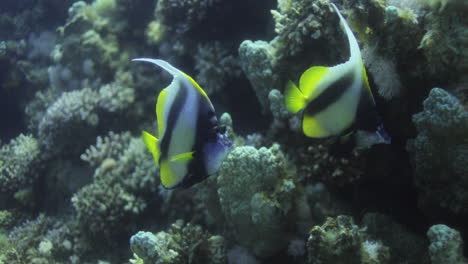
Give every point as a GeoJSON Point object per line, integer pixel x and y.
{"type": "Point", "coordinates": [77, 184]}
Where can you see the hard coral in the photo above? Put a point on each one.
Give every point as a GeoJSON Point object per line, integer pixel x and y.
{"type": "Point", "coordinates": [446, 245]}
{"type": "Point", "coordinates": [339, 240]}
{"type": "Point", "coordinates": [181, 244]}
{"type": "Point", "coordinates": [258, 63]}
{"type": "Point", "coordinates": [257, 193]}
{"type": "Point", "coordinates": [124, 178]}
{"type": "Point", "coordinates": [214, 66]}
{"type": "Point", "coordinates": [445, 43]}
{"type": "Point", "coordinates": [17, 160]}
{"type": "Point", "coordinates": [440, 153]}
{"type": "Point", "coordinates": [63, 120]}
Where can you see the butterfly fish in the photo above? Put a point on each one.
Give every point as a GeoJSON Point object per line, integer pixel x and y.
{"type": "Point", "coordinates": [336, 100]}
{"type": "Point", "coordinates": [190, 145]}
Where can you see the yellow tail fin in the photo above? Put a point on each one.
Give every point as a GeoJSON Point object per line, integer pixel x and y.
{"type": "Point", "coordinates": [152, 144]}
{"type": "Point", "coordinates": [294, 98]}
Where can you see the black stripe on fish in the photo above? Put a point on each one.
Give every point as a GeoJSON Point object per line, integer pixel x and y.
{"type": "Point", "coordinates": [331, 94]}
{"type": "Point", "coordinates": [367, 117]}
{"type": "Point", "coordinates": [174, 113]}
{"type": "Point", "coordinates": [205, 132]}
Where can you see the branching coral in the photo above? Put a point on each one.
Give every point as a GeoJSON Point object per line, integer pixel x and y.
{"type": "Point", "coordinates": [445, 43]}
{"type": "Point", "coordinates": [214, 66]}
{"type": "Point", "coordinates": [25, 242]}
{"type": "Point", "coordinates": [179, 17]}
{"type": "Point", "coordinates": [182, 243]}
{"type": "Point", "coordinates": [124, 177]}
{"type": "Point", "coordinates": [72, 112]}
{"type": "Point", "coordinates": [299, 23]}
{"type": "Point", "coordinates": [75, 114]}
{"type": "Point", "coordinates": [17, 160]}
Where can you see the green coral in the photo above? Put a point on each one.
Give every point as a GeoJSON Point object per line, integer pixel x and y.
{"type": "Point", "coordinates": [75, 114]}
{"type": "Point", "coordinates": [124, 178]}
{"type": "Point", "coordinates": [258, 63]}
{"type": "Point", "coordinates": [68, 117]}
{"type": "Point", "coordinates": [7, 220]}
{"type": "Point", "coordinates": [445, 43]}
{"type": "Point", "coordinates": [17, 160]}
{"type": "Point", "coordinates": [215, 66]}
{"type": "Point", "coordinates": [181, 244]}
{"type": "Point", "coordinates": [340, 241]}
{"type": "Point", "coordinates": [440, 153]}
{"type": "Point", "coordinates": [446, 245]}
{"type": "Point", "coordinates": [179, 17]}
{"type": "Point", "coordinates": [258, 197]}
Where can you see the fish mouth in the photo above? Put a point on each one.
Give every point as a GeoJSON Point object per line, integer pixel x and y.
{"type": "Point", "coordinates": [224, 139]}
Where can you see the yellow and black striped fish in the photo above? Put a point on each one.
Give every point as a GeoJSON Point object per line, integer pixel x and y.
{"type": "Point", "coordinates": [336, 100]}
{"type": "Point", "coordinates": [190, 145]}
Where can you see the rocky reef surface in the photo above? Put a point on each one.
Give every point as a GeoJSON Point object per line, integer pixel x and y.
{"type": "Point", "coordinates": [77, 184]}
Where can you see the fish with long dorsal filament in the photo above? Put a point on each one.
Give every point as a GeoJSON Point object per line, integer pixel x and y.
{"type": "Point", "coordinates": [337, 100]}
{"type": "Point", "coordinates": [190, 145]}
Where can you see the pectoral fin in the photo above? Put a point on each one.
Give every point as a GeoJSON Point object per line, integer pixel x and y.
{"type": "Point", "coordinates": [294, 99]}
{"type": "Point", "coordinates": [183, 157]}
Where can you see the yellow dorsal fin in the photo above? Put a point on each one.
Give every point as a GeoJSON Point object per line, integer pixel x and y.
{"type": "Point", "coordinates": [152, 144]}
{"type": "Point", "coordinates": [160, 104]}
{"type": "Point", "coordinates": [196, 85]}
{"type": "Point", "coordinates": [366, 80]}
{"type": "Point", "coordinates": [310, 80]}
{"type": "Point", "coordinates": [293, 98]}
{"type": "Point", "coordinates": [168, 177]}
{"type": "Point", "coordinates": [183, 157]}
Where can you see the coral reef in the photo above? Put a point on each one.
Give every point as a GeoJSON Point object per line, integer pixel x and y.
{"type": "Point", "coordinates": [446, 245]}
{"type": "Point", "coordinates": [440, 152]}
{"type": "Point", "coordinates": [330, 169]}
{"type": "Point", "coordinates": [258, 61]}
{"type": "Point", "coordinates": [17, 161]}
{"type": "Point", "coordinates": [411, 246]}
{"type": "Point", "coordinates": [182, 243]}
{"type": "Point", "coordinates": [124, 178]}
{"type": "Point", "coordinates": [78, 111]}
{"type": "Point", "coordinates": [178, 17]}
{"type": "Point", "coordinates": [66, 118]}
{"type": "Point", "coordinates": [214, 66]}
{"type": "Point", "coordinates": [446, 39]}
{"type": "Point", "coordinates": [339, 240]}
{"type": "Point", "coordinates": [256, 187]}
{"type": "Point", "coordinates": [68, 90]}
